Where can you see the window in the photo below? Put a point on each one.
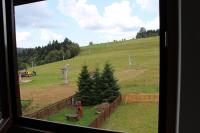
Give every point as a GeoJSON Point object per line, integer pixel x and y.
{"type": "Point", "coordinates": [59, 37]}
{"type": "Point", "coordinates": [1, 65]}
{"type": "Point", "coordinates": [43, 125]}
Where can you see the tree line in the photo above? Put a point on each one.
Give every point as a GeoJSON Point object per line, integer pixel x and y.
{"type": "Point", "coordinates": [143, 33]}
{"type": "Point", "coordinates": [54, 51]}
{"type": "Point", "coordinates": [95, 88]}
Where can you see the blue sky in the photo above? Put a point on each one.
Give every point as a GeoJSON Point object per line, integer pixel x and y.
{"type": "Point", "coordinates": [83, 21]}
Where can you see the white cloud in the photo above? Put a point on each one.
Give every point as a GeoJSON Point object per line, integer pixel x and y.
{"type": "Point", "coordinates": [116, 22]}
{"type": "Point", "coordinates": [85, 14]}
{"type": "Point", "coordinates": [148, 5]}
{"type": "Point", "coordinates": [32, 14]}
{"type": "Point", "coordinates": [119, 15]}
{"type": "Point", "coordinates": [26, 39]}
{"type": "Point", "coordinates": [36, 15]}
{"type": "Point", "coordinates": [22, 37]}
{"type": "Point", "coordinates": [48, 35]}
{"type": "Point", "coordinates": [153, 24]}
{"type": "Point", "coordinates": [115, 34]}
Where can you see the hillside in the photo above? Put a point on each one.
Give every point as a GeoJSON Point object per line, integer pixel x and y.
{"type": "Point", "coordinates": [142, 76]}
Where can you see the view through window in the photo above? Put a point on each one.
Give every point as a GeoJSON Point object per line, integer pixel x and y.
{"type": "Point", "coordinates": [90, 62]}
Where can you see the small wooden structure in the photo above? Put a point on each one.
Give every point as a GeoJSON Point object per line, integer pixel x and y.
{"type": "Point", "coordinates": [72, 117]}
{"type": "Point", "coordinates": [26, 74]}
{"type": "Point", "coordinates": [24, 77]}
{"type": "Point", "coordinates": [79, 112]}
{"type": "Point", "coordinates": [79, 108]}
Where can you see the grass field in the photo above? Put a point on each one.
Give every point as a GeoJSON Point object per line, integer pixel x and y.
{"type": "Point", "coordinates": [134, 118]}
{"type": "Point", "coordinates": [88, 117]}
{"type": "Point", "coordinates": [47, 87]}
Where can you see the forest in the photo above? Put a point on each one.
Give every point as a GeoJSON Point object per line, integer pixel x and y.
{"type": "Point", "coordinates": [143, 33]}
{"type": "Point", "coordinates": [53, 51]}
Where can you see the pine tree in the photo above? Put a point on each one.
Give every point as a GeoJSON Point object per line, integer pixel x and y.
{"type": "Point", "coordinates": [109, 86]}
{"type": "Point", "coordinates": [97, 87]}
{"type": "Point", "coordinates": [85, 85]}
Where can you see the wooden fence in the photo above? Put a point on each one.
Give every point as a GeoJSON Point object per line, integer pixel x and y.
{"type": "Point", "coordinates": [106, 113]}
{"type": "Point", "coordinates": [129, 98]}
{"type": "Point", "coordinates": [134, 98]}
{"type": "Point", "coordinates": [51, 109]}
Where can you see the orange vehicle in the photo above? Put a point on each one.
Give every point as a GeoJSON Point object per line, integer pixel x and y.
{"type": "Point", "coordinates": [26, 74]}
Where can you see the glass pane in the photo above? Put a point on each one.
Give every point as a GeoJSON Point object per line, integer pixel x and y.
{"type": "Point", "coordinates": [90, 62]}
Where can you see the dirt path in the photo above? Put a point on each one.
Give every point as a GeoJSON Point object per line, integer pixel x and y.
{"type": "Point", "coordinates": [129, 74]}
{"type": "Point", "coordinates": [44, 96]}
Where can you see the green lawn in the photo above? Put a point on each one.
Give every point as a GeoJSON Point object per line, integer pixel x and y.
{"type": "Point", "coordinates": [88, 116]}
{"type": "Point", "coordinates": [145, 53]}
{"type": "Point", "coordinates": [134, 118]}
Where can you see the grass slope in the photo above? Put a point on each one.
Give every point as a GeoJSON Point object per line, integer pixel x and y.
{"type": "Point", "coordinates": [142, 77]}
{"type": "Point", "coordinates": [134, 118]}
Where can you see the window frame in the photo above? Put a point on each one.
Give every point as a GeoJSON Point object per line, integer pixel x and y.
{"type": "Point", "coordinates": [169, 51]}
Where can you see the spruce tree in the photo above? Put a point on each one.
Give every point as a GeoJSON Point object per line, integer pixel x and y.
{"type": "Point", "coordinates": [97, 87]}
{"type": "Point", "coordinates": [85, 85]}
{"type": "Point", "coordinates": [109, 86]}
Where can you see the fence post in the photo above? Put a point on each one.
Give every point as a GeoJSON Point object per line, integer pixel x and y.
{"type": "Point", "coordinates": [37, 117]}
{"type": "Point", "coordinates": [104, 115]}
{"type": "Point", "coordinates": [109, 110]}
{"type": "Point", "coordinates": [96, 123]}
{"type": "Point", "coordinates": [48, 113]}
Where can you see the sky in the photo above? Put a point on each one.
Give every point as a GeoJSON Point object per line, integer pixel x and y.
{"type": "Point", "coordinates": [83, 21]}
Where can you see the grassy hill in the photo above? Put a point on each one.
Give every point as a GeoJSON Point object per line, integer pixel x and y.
{"type": "Point", "coordinates": [142, 77]}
